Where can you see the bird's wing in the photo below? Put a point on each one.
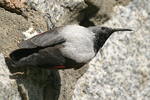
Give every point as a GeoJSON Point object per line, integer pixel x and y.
{"type": "Point", "coordinates": [47, 57]}
{"type": "Point", "coordinates": [48, 38]}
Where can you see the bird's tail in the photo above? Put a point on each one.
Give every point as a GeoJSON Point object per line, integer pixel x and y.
{"type": "Point", "coordinates": [18, 54]}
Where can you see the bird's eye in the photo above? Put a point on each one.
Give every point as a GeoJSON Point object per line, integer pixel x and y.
{"type": "Point", "coordinates": [103, 28]}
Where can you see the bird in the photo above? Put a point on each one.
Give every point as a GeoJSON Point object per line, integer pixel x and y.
{"type": "Point", "coordinates": [64, 47]}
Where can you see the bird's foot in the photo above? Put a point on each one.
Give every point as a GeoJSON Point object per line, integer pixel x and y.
{"type": "Point", "coordinates": [49, 17]}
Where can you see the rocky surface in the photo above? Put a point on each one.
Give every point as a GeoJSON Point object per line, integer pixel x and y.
{"type": "Point", "coordinates": [8, 86]}
{"type": "Point", "coordinates": [121, 71]}
{"type": "Point", "coordinates": [17, 16]}
{"type": "Point", "coordinates": [99, 11]}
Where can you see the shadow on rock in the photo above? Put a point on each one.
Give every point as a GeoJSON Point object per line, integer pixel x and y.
{"type": "Point", "coordinates": [35, 83]}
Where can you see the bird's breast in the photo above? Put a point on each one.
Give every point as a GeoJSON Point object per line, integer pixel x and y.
{"type": "Point", "coordinates": [79, 44]}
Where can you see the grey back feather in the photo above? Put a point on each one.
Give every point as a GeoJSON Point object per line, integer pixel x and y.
{"type": "Point", "coordinates": [47, 38]}
{"type": "Point", "coordinates": [79, 43]}
{"type": "Point", "coordinates": [76, 42]}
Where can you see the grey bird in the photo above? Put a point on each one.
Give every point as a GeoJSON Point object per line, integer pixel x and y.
{"type": "Point", "coordinates": [64, 47]}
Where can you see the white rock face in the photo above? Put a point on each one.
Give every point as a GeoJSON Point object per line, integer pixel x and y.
{"type": "Point", "coordinates": [8, 87]}
{"type": "Point", "coordinates": [121, 71]}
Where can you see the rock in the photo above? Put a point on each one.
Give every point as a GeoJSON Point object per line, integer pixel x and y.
{"type": "Point", "coordinates": [11, 26]}
{"type": "Point", "coordinates": [99, 11]}
{"type": "Point", "coordinates": [83, 12]}
{"type": "Point", "coordinates": [68, 81]}
{"type": "Point", "coordinates": [61, 11]}
{"type": "Point", "coordinates": [30, 80]}
{"type": "Point", "coordinates": [8, 86]}
{"type": "Point", "coordinates": [121, 70]}
{"type": "Point", "coordinates": [13, 5]}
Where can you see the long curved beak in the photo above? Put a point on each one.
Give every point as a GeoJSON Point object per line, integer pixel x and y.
{"type": "Point", "coordinates": [121, 29]}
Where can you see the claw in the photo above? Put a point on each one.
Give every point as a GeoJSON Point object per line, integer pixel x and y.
{"type": "Point", "coordinates": [48, 15]}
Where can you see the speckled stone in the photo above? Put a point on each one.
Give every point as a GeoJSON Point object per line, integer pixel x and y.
{"type": "Point", "coordinates": [56, 7]}
{"type": "Point", "coordinates": [121, 71]}
{"type": "Point", "coordinates": [7, 84]}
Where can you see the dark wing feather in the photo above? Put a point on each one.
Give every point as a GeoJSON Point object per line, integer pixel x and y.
{"type": "Point", "coordinates": [47, 57]}
{"type": "Point", "coordinates": [48, 38]}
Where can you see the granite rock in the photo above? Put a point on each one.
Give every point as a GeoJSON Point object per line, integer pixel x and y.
{"type": "Point", "coordinates": [29, 79]}
{"type": "Point", "coordinates": [8, 86]}
{"type": "Point", "coordinates": [121, 70]}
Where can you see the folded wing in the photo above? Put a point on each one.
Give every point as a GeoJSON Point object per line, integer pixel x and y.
{"type": "Point", "coordinates": [48, 38]}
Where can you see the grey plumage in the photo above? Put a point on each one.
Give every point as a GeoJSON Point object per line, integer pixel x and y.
{"type": "Point", "coordinates": [73, 42]}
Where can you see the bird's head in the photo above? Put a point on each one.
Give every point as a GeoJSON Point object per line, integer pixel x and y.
{"type": "Point", "coordinates": [105, 32]}
{"type": "Point", "coordinates": [102, 33]}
